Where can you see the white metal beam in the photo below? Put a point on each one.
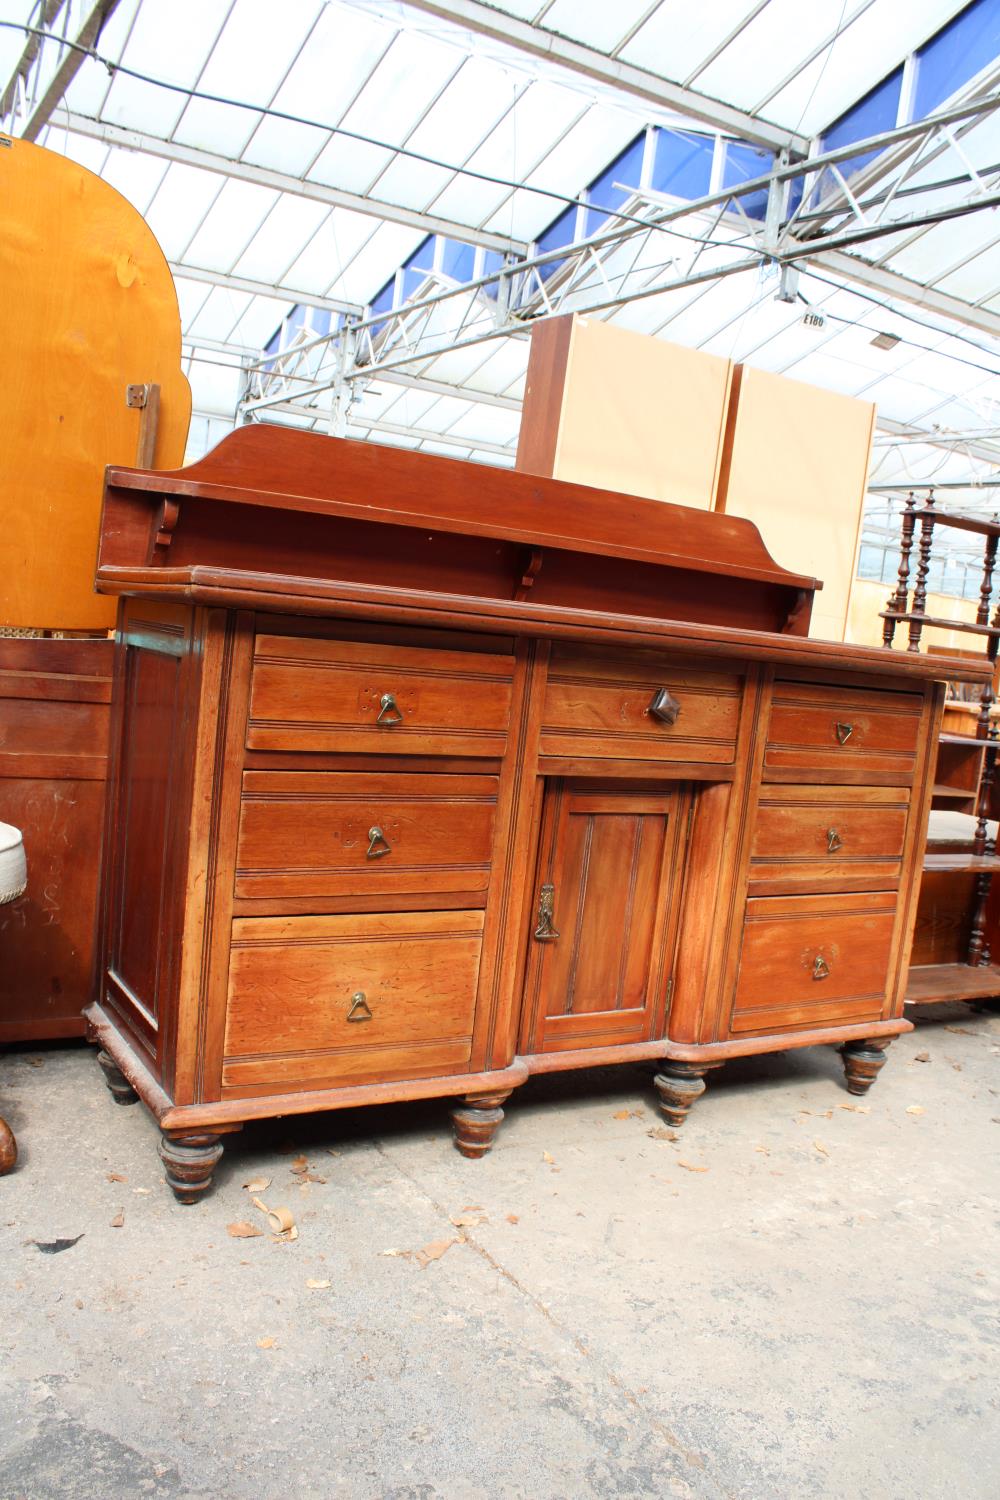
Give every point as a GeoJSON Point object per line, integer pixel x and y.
{"type": "Point", "coordinates": [282, 182]}
{"type": "Point", "coordinates": [276, 291]}
{"type": "Point", "coordinates": [72, 62]}
{"type": "Point", "coordinates": [902, 289]}
{"type": "Point", "coordinates": [32, 47]}
{"type": "Point", "coordinates": [538, 41]}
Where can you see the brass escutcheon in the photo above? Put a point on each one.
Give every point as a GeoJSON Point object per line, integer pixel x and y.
{"type": "Point", "coordinates": [376, 838]}
{"type": "Point", "coordinates": [833, 841]}
{"type": "Point", "coordinates": [821, 969]}
{"type": "Point", "coordinates": [389, 711]}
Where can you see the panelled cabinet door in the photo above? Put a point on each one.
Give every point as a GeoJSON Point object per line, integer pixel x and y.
{"type": "Point", "coordinates": [605, 916]}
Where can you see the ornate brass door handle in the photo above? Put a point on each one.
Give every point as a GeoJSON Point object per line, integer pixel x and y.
{"type": "Point", "coordinates": [378, 839]}
{"type": "Point", "coordinates": [833, 841]}
{"type": "Point", "coordinates": [821, 969]}
{"type": "Point", "coordinates": [545, 932]}
{"type": "Point", "coordinates": [389, 711]}
{"type": "Point", "coordinates": [664, 706]}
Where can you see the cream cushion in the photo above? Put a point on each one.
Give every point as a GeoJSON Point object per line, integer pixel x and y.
{"type": "Point", "coordinates": [13, 865]}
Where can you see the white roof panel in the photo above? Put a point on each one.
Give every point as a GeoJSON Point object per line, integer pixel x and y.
{"type": "Point", "coordinates": [230, 223]}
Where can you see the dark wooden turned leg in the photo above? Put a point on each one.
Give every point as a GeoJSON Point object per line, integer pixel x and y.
{"type": "Point", "coordinates": [476, 1121]}
{"type": "Point", "coordinates": [8, 1149]}
{"type": "Point", "coordinates": [863, 1061]}
{"type": "Point", "coordinates": [679, 1085]}
{"type": "Point", "coordinates": [122, 1091]}
{"type": "Point", "coordinates": [190, 1160]}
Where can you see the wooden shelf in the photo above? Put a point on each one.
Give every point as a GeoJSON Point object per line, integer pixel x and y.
{"type": "Point", "coordinates": [970, 864]}
{"type": "Point", "coordinates": [929, 983]}
{"type": "Point", "coordinates": [963, 627]}
{"type": "Point", "coordinates": [970, 741]}
{"type": "Point", "coordinates": [958, 520]}
{"type": "Point", "coordinates": [954, 793]}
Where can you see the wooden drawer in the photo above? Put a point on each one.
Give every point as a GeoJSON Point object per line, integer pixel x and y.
{"type": "Point", "coordinates": [597, 704]}
{"type": "Point", "coordinates": [848, 733]}
{"type": "Point", "coordinates": [828, 837]}
{"type": "Point", "coordinates": [317, 1001]}
{"type": "Point", "coordinates": [813, 961]}
{"type": "Point", "coordinates": [337, 833]}
{"type": "Point", "coordinates": [310, 694]}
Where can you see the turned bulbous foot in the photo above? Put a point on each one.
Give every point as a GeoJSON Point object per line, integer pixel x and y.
{"type": "Point", "coordinates": [122, 1091]}
{"type": "Point", "coordinates": [476, 1121]}
{"type": "Point", "coordinates": [679, 1085]}
{"type": "Point", "coordinates": [8, 1149]}
{"type": "Point", "coordinates": [190, 1159]}
{"type": "Point", "coordinates": [863, 1061]}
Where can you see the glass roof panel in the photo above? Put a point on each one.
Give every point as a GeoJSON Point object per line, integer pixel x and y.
{"type": "Point", "coordinates": [136, 177]}
{"type": "Point", "coordinates": [89, 88]}
{"type": "Point", "coordinates": [411, 184]}
{"type": "Point", "coordinates": [344, 47]}
{"type": "Point", "coordinates": [285, 147]}
{"type": "Point", "coordinates": [258, 322]}
{"type": "Point", "coordinates": [402, 88]}
{"type": "Point", "coordinates": [866, 50]}
{"type": "Point", "coordinates": [231, 222]}
{"type": "Point", "coordinates": [182, 200]}
{"type": "Point", "coordinates": [331, 250]}
{"type": "Point", "coordinates": [595, 22]}
{"type": "Point", "coordinates": [292, 222]}
{"type": "Point", "coordinates": [159, 47]}
{"type": "Point", "coordinates": [386, 250]}
{"type": "Point", "coordinates": [679, 35]}
{"type": "Point", "coordinates": [350, 165]}
{"type": "Point", "coordinates": [470, 106]}
{"type": "Point", "coordinates": [767, 48]}
{"type": "Point", "coordinates": [218, 313]}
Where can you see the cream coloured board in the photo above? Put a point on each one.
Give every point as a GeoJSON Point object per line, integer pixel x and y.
{"type": "Point", "coordinates": [797, 464]}
{"type": "Point", "coordinates": [618, 410]}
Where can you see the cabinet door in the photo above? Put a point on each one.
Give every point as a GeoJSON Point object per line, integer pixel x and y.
{"type": "Point", "coordinates": [605, 917]}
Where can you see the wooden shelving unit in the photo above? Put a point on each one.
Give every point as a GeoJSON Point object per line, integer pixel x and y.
{"type": "Point", "coordinates": [957, 873]}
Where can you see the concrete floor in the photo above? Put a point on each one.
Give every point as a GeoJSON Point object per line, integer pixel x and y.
{"type": "Point", "coordinates": [812, 1311]}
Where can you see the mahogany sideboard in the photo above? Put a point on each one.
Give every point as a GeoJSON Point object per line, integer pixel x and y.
{"type": "Point", "coordinates": [427, 776]}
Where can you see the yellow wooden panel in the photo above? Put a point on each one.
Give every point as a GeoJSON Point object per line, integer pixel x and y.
{"type": "Point", "coordinates": [637, 414]}
{"type": "Point", "coordinates": [797, 465]}
{"type": "Point", "coordinates": [88, 308]}
{"type": "Point", "coordinates": [864, 627]}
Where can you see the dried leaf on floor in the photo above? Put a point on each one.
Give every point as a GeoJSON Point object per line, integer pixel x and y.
{"type": "Point", "coordinates": [914, 1109]}
{"type": "Point", "coordinates": [257, 1184]}
{"type": "Point", "coordinates": [690, 1166]}
{"type": "Point", "coordinates": [241, 1230]}
{"type": "Point", "coordinates": [53, 1247]}
{"type": "Point", "coordinates": [921, 1057]}
{"type": "Point", "coordinates": [826, 1114]}
{"type": "Point", "coordinates": [961, 1031]}
{"type": "Point", "coordinates": [821, 1148]}
{"type": "Point", "coordinates": [259, 1204]}
{"type": "Point", "coordinates": [300, 1164]}
{"type": "Point", "coordinates": [472, 1208]}
{"type": "Point", "coordinates": [144, 1191]}
{"type": "Point", "coordinates": [433, 1251]}
{"type": "Point", "coordinates": [467, 1221]}
{"type": "Point", "coordinates": [405, 1254]}
{"type": "Point", "coordinates": [764, 1150]}
{"type": "Point", "coordinates": [286, 1236]}
{"type": "Point", "coordinates": [957, 1067]}
{"type": "Point", "coordinates": [332, 1151]}
{"type": "Point", "coordinates": [661, 1133]}
{"type": "Point", "coordinates": [547, 1157]}
{"type": "Point", "coordinates": [116, 1177]}
{"type": "Point", "coordinates": [267, 1343]}
{"type": "Point", "coordinates": [315, 1285]}
{"type": "Point", "coordinates": [513, 1218]}
{"type": "Point", "coordinates": [857, 1109]}
{"type": "Point", "coordinates": [118, 1222]}
{"type": "Point", "coordinates": [310, 1177]}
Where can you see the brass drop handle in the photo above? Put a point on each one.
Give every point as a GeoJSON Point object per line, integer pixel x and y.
{"type": "Point", "coordinates": [821, 969]}
{"type": "Point", "coordinates": [664, 706]}
{"type": "Point", "coordinates": [359, 1009]}
{"type": "Point", "coordinates": [545, 932]}
{"type": "Point", "coordinates": [377, 838]}
{"type": "Point", "coordinates": [389, 711]}
{"type": "Point", "coordinates": [843, 732]}
{"type": "Point", "coordinates": [833, 841]}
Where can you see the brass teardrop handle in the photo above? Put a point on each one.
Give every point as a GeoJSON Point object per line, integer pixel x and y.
{"type": "Point", "coordinates": [843, 732]}
{"type": "Point", "coordinates": [389, 711]}
{"type": "Point", "coordinates": [545, 932]}
{"type": "Point", "coordinates": [664, 706]}
{"type": "Point", "coordinates": [359, 1009]}
{"type": "Point", "coordinates": [833, 841]}
{"type": "Point", "coordinates": [377, 837]}
{"type": "Point", "coordinates": [821, 969]}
